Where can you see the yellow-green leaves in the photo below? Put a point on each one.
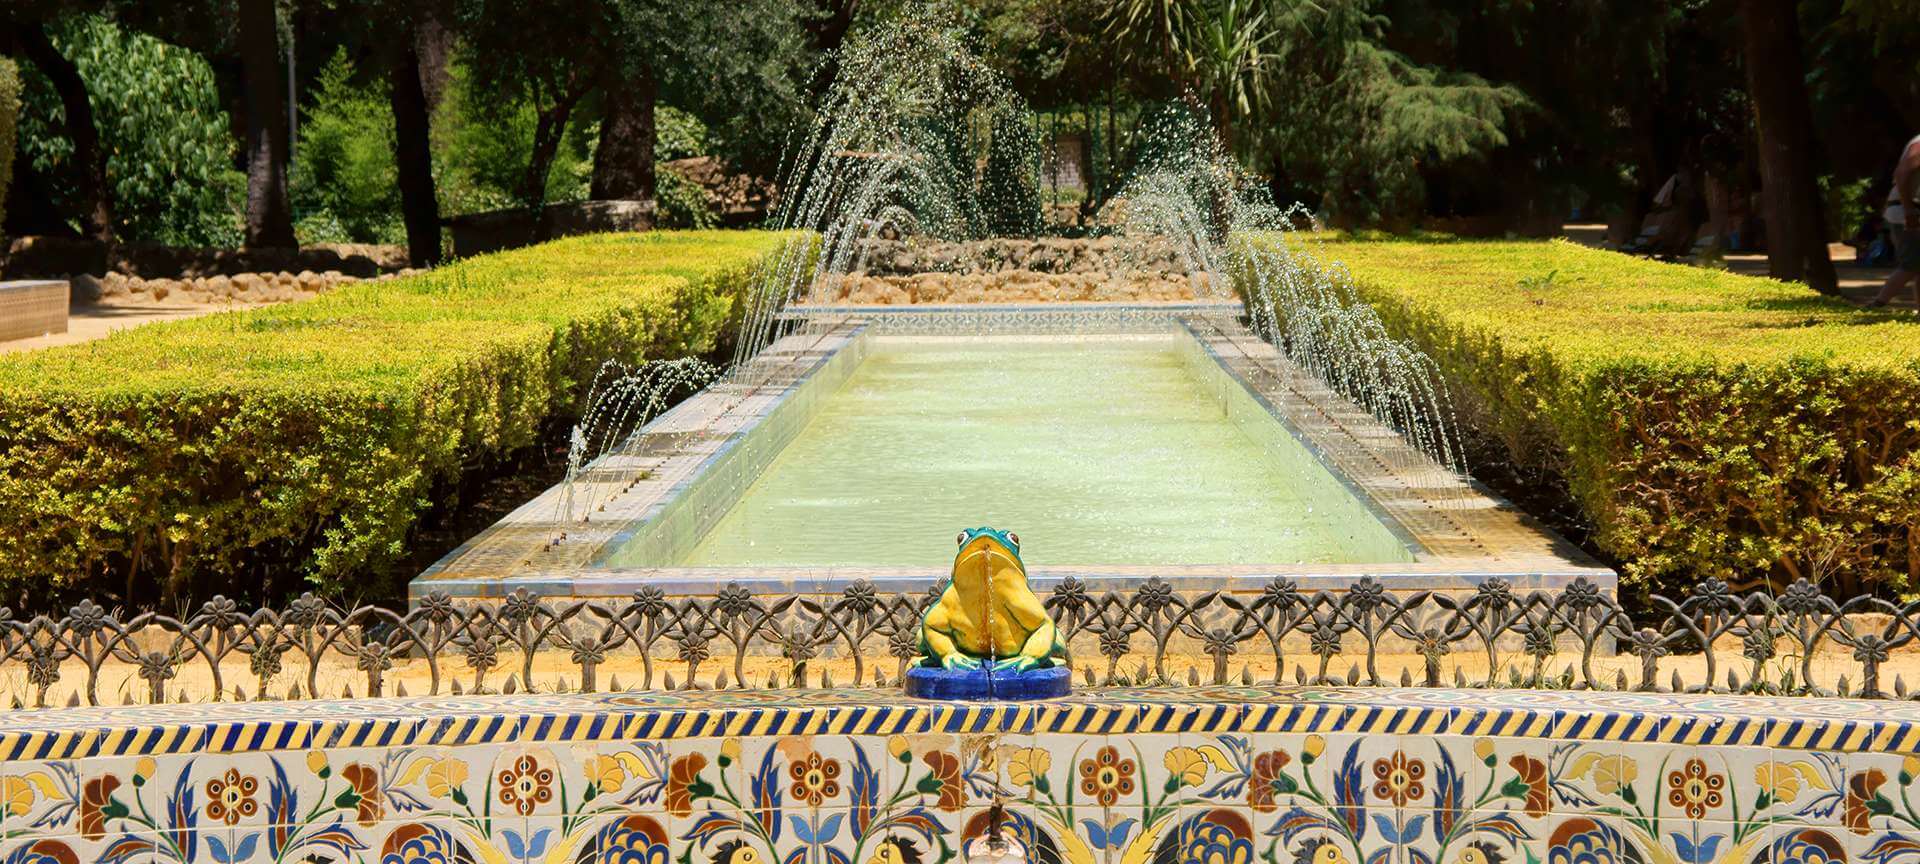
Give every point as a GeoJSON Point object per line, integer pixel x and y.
{"type": "Point", "coordinates": [1703, 424]}
{"type": "Point", "coordinates": [305, 439]}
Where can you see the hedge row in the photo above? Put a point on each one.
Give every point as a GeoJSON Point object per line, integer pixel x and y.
{"type": "Point", "coordinates": [207, 454]}
{"type": "Point", "coordinates": [1706, 424]}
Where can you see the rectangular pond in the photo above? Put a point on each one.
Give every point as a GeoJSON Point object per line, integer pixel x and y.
{"type": "Point", "coordinates": [1121, 442]}
{"type": "Point", "coordinates": [1095, 450]}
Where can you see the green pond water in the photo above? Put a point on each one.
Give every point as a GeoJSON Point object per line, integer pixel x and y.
{"type": "Point", "coordinates": [1093, 451]}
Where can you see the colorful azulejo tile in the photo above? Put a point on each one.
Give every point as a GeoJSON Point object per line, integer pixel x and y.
{"type": "Point", "coordinates": [1227, 776]}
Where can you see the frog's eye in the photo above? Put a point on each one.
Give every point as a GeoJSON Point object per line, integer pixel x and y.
{"type": "Point", "coordinates": [1013, 538]}
{"type": "Point", "coordinates": [962, 539]}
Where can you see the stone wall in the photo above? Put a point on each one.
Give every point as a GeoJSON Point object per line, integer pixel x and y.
{"type": "Point", "coordinates": [515, 227]}
{"type": "Point", "coordinates": [118, 288]}
{"type": "Point", "coordinates": [1097, 255]}
{"type": "Point", "coordinates": [59, 256]}
{"type": "Point", "coordinates": [1016, 270]}
{"type": "Point", "coordinates": [1181, 776]}
{"type": "Point", "coordinates": [1017, 286]}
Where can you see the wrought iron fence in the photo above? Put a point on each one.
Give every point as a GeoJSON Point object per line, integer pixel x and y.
{"type": "Point", "coordinates": [1798, 641]}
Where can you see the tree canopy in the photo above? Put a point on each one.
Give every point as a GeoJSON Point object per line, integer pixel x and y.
{"type": "Point", "coordinates": [1490, 117]}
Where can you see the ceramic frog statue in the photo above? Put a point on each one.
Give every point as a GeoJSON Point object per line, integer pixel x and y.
{"type": "Point", "coordinates": [988, 612]}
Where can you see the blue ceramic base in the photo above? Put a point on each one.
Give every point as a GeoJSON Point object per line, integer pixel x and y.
{"type": "Point", "coordinates": [979, 685]}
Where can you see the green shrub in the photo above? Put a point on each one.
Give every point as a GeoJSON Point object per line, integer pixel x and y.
{"type": "Point", "coordinates": [680, 202]}
{"type": "Point", "coordinates": [1707, 424]}
{"type": "Point", "coordinates": [677, 134]}
{"type": "Point", "coordinates": [9, 126]}
{"type": "Point", "coordinates": [203, 455]}
{"type": "Point", "coordinates": [345, 184]}
{"type": "Point", "coordinates": [170, 145]}
{"type": "Point", "coordinates": [1009, 185]}
{"type": "Point", "coordinates": [481, 146]}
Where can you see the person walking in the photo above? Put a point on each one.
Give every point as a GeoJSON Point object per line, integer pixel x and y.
{"type": "Point", "coordinates": [1903, 221]}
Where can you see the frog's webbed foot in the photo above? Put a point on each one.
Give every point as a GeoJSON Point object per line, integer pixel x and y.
{"type": "Point", "coordinates": [1022, 663]}
{"type": "Point", "coordinates": [958, 662]}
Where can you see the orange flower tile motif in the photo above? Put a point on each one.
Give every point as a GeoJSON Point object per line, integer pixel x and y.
{"type": "Point", "coordinates": [1531, 775]}
{"type": "Point", "coordinates": [682, 775]}
{"type": "Point", "coordinates": [1862, 790]}
{"type": "Point", "coordinates": [1694, 789]}
{"type": "Point", "coordinates": [1106, 777]}
{"type": "Point", "coordinates": [1262, 784]}
{"type": "Point", "coordinates": [94, 801]}
{"type": "Point", "coordinates": [1399, 779]}
{"type": "Point", "coordinates": [365, 782]}
{"type": "Point", "coordinates": [230, 797]}
{"type": "Point", "coordinates": [816, 779]}
{"type": "Point", "coordinates": [526, 785]}
{"type": "Point", "coordinates": [944, 772]}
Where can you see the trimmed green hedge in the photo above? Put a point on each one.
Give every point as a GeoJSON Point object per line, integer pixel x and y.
{"type": "Point", "coordinates": [200, 453]}
{"type": "Point", "coordinates": [1707, 424]}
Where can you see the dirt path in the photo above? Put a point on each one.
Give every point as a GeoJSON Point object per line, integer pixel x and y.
{"type": "Point", "coordinates": [87, 322]}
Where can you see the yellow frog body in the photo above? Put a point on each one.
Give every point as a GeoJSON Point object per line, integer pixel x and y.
{"type": "Point", "coordinates": [988, 613]}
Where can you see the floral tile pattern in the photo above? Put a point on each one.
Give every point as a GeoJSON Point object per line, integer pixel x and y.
{"type": "Point", "coordinates": [1245, 776]}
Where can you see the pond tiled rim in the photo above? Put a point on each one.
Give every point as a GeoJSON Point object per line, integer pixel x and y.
{"type": "Point", "coordinates": [238, 727]}
{"type": "Point", "coordinates": [1181, 776]}
{"type": "Point", "coordinates": [703, 453]}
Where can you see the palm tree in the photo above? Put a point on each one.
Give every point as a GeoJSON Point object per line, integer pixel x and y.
{"type": "Point", "coordinates": [1218, 51]}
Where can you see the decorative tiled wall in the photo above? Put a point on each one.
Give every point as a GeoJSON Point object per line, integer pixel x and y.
{"type": "Point", "coordinates": [1223, 776]}
{"type": "Point", "coordinates": [963, 319]}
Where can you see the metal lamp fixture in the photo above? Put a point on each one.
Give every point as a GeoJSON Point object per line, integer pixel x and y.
{"type": "Point", "coordinates": [994, 847]}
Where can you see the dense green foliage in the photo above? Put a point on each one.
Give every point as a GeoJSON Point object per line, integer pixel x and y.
{"type": "Point", "coordinates": [170, 145]}
{"type": "Point", "coordinates": [678, 135]}
{"type": "Point", "coordinates": [1316, 96]}
{"type": "Point", "coordinates": [1707, 424]}
{"type": "Point", "coordinates": [203, 456]}
{"type": "Point", "coordinates": [345, 184]}
{"type": "Point", "coordinates": [345, 187]}
{"type": "Point", "coordinates": [1371, 111]}
{"type": "Point", "coordinates": [481, 141]}
{"type": "Point", "coordinates": [738, 66]}
{"type": "Point", "coordinates": [9, 125]}
{"type": "Point", "coordinates": [681, 203]}
{"type": "Point", "coordinates": [1008, 193]}
{"type": "Point", "coordinates": [1358, 122]}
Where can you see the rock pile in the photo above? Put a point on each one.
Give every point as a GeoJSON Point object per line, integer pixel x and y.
{"type": "Point", "coordinates": [1039, 255]}
{"type": "Point", "coordinates": [249, 288]}
{"type": "Point", "coordinates": [1018, 287]}
{"type": "Point", "coordinates": [1016, 270]}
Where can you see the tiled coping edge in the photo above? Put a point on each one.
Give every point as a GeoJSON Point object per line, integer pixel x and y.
{"type": "Point", "coordinates": [621, 582]}
{"type": "Point", "coordinates": [1830, 725]}
{"type": "Point", "coordinates": [1460, 533]}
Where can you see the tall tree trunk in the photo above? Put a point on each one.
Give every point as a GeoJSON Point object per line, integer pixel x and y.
{"type": "Point", "coordinates": [547, 132]}
{"type": "Point", "coordinates": [546, 144]}
{"type": "Point", "coordinates": [623, 162]}
{"type": "Point", "coordinates": [1776, 79]}
{"type": "Point", "coordinates": [96, 197]}
{"type": "Point", "coordinates": [433, 49]}
{"type": "Point", "coordinates": [269, 215]}
{"type": "Point", "coordinates": [413, 156]}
